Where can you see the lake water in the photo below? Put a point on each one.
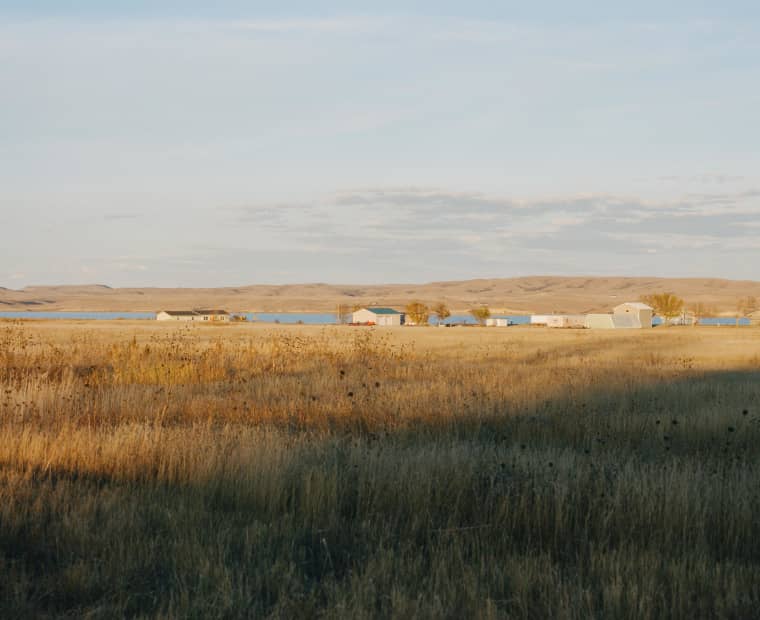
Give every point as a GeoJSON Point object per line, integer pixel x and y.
{"type": "Point", "coordinates": [307, 318]}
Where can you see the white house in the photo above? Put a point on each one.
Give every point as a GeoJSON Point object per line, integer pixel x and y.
{"type": "Point", "coordinates": [177, 315]}
{"type": "Point", "coordinates": [497, 322]}
{"type": "Point", "coordinates": [378, 316]}
{"type": "Point", "coordinates": [215, 316]}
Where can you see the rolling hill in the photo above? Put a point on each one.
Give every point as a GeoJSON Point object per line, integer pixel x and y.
{"type": "Point", "coordinates": [533, 294]}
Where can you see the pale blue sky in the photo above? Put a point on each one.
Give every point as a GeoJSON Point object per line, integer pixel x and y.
{"type": "Point", "coordinates": [173, 144]}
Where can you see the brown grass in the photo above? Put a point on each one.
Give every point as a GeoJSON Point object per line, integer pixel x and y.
{"type": "Point", "coordinates": [168, 471]}
{"type": "Point", "coordinates": [523, 295]}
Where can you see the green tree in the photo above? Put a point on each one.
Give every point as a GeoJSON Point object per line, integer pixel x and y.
{"type": "Point", "coordinates": [418, 312]}
{"type": "Point", "coordinates": [666, 305]}
{"type": "Point", "coordinates": [441, 312]}
{"type": "Point", "coordinates": [480, 314]}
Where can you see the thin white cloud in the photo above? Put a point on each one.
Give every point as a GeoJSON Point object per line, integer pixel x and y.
{"type": "Point", "coordinates": [316, 25]}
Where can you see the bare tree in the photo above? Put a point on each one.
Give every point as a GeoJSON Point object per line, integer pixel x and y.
{"type": "Point", "coordinates": [698, 311]}
{"type": "Point", "coordinates": [480, 314]}
{"type": "Point", "coordinates": [343, 314]}
{"type": "Point", "coordinates": [441, 312]}
{"type": "Point", "coordinates": [744, 307]}
{"type": "Point", "coordinates": [666, 305]}
{"type": "Point", "coordinates": [418, 312]}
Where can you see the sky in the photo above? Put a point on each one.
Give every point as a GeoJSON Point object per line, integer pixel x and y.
{"type": "Point", "coordinates": [189, 143]}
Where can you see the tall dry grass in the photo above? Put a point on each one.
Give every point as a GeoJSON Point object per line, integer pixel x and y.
{"type": "Point", "coordinates": [165, 471]}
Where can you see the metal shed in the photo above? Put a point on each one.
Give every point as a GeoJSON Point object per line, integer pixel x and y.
{"type": "Point", "coordinates": [387, 317]}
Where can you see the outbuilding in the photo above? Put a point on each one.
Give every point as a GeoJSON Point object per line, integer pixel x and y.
{"type": "Point", "coordinates": [566, 321]}
{"type": "Point", "coordinates": [387, 317]}
{"type": "Point", "coordinates": [612, 321]}
{"type": "Point", "coordinates": [216, 316]}
{"type": "Point", "coordinates": [177, 315]}
{"type": "Point", "coordinates": [641, 311]}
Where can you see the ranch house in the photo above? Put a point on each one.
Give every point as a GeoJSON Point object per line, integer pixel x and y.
{"type": "Point", "coordinates": [214, 316]}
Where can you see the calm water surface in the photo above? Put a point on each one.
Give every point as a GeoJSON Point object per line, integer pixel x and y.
{"type": "Point", "coordinates": [307, 318]}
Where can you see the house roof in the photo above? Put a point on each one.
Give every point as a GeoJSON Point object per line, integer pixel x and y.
{"type": "Point", "coordinates": [195, 312]}
{"type": "Point", "coordinates": [383, 311]}
{"type": "Point", "coordinates": [636, 304]}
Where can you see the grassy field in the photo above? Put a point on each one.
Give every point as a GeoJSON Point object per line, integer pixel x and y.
{"type": "Point", "coordinates": [152, 470]}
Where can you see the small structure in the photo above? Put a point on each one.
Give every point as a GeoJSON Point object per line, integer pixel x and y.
{"type": "Point", "coordinates": [387, 317]}
{"type": "Point", "coordinates": [566, 321]}
{"type": "Point", "coordinates": [630, 315]}
{"type": "Point", "coordinates": [216, 316]}
{"type": "Point", "coordinates": [497, 322]}
{"type": "Point", "coordinates": [642, 312]}
{"type": "Point", "coordinates": [611, 321]}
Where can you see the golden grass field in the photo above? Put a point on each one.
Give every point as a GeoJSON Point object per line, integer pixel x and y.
{"type": "Point", "coordinates": [159, 470]}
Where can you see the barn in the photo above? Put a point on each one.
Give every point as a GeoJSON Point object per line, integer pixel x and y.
{"type": "Point", "coordinates": [642, 312]}
{"type": "Point", "coordinates": [630, 315]}
{"type": "Point", "coordinates": [387, 317]}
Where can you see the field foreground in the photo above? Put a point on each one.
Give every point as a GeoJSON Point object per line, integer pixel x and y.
{"type": "Point", "coordinates": [248, 471]}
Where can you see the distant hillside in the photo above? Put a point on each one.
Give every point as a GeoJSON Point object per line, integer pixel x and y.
{"type": "Point", "coordinates": [534, 294]}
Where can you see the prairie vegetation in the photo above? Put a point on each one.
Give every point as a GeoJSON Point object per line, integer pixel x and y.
{"type": "Point", "coordinates": [167, 471]}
